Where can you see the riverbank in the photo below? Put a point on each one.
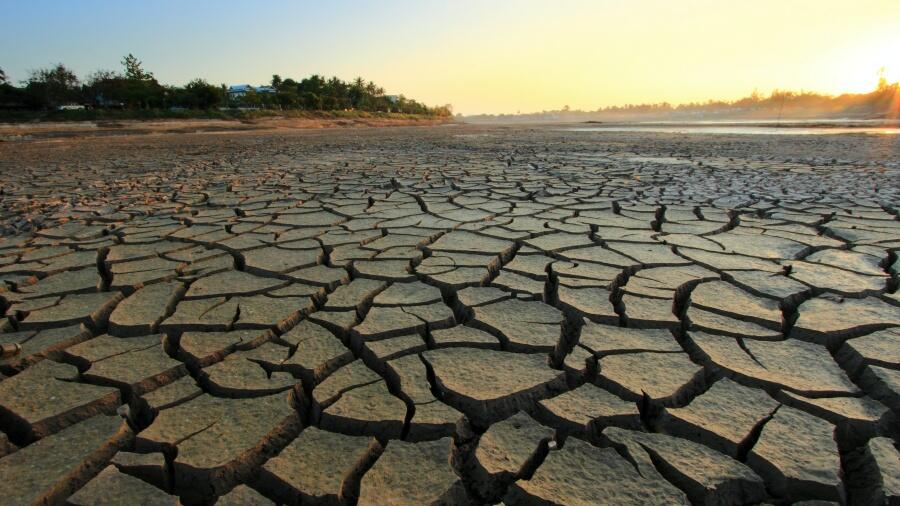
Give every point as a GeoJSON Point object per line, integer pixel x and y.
{"type": "Point", "coordinates": [50, 129]}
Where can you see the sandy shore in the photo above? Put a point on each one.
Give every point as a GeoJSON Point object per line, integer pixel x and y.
{"type": "Point", "coordinates": [76, 129]}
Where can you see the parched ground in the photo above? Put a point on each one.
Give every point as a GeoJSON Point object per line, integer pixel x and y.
{"type": "Point", "coordinates": [453, 315]}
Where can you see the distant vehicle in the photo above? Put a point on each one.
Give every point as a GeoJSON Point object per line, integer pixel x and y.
{"type": "Point", "coordinates": [70, 107]}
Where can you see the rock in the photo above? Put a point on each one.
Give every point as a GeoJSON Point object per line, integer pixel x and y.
{"type": "Point", "coordinates": [207, 348]}
{"type": "Point", "coordinates": [273, 260]}
{"type": "Point", "coordinates": [385, 270]}
{"type": "Point", "coordinates": [522, 286]}
{"type": "Point", "coordinates": [318, 466]}
{"type": "Point", "coordinates": [599, 255]}
{"type": "Point", "coordinates": [142, 312]}
{"type": "Point", "coordinates": [220, 441]}
{"type": "Point", "coordinates": [239, 375]}
{"type": "Point", "coordinates": [149, 467]}
{"type": "Point", "coordinates": [723, 298]}
{"type": "Point", "coordinates": [827, 322]}
{"type": "Point", "coordinates": [382, 322]}
{"type": "Point", "coordinates": [590, 302]}
{"type": "Point", "coordinates": [850, 260]}
{"type": "Point", "coordinates": [43, 399]}
{"type": "Point", "coordinates": [837, 280]}
{"type": "Point", "coordinates": [38, 345]}
{"type": "Point", "coordinates": [464, 336]}
{"type": "Point", "coordinates": [887, 464]}
{"type": "Point", "coordinates": [490, 385]}
{"type": "Point", "coordinates": [349, 376]}
{"type": "Point", "coordinates": [804, 368]}
{"type": "Point", "coordinates": [667, 378]}
{"type": "Point", "coordinates": [467, 242]}
{"type": "Point", "coordinates": [242, 495]}
{"type": "Point", "coordinates": [586, 410]}
{"type": "Point", "coordinates": [508, 451]}
{"type": "Point", "coordinates": [707, 476]}
{"type": "Point", "coordinates": [522, 325]}
{"type": "Point", "coordinates": [137, 364]}
{"type": "Point", "coordinates": [861, 415]}
{"type": "Point", "coordinates": [408, 294]}
{"type": "Point", "coordinates": [797, 456]}
{"type": "Point", "coordinates": [318, 352]}
{"type": "Point", "coordinates": [647, 313]}
{"type": "Point", "coordinates": [730, 261]}
{"type": "Point", "coordinates": [559, 241]}
{"type": "Point", "coordinates": [431, 419]}
{"type": "Point", "coordinates": [50, 470]}
{"type": "Point", "coordinates": [356, 295]}
{"type": "Point", "coordinates": [112, 486]}
{"type": "Point", "coordinates": [882, 384]}
{"type": "Point", "coordinates": [215, 314]}
{"type": "Point", "coordinates": [767, 284]}
{"type": "Point", "coordinates": [723, 418]}
{"type": "Point", "coordinates": [480, 295]}
{"type": "Point", "coordinates": [880, 348]}
{"type": "Point", "coordinates": [759, 245]}
{"type": "Point", "coordinates": [602, 477]}
{"type": "Point", "coordinates": [339, 322]}
{"type": "Point", "coordinates": [230, 283]}
{"type": "Point", "coordinates": [714, 323]}
{"type": "Point", "coordinates": [605, 340]}
{"type": "Point", "coordinates": [69, 282]}
{"type": "Point", "coordinates": [173, 394]}
{"type": "Point", "coordinates": [367, 409]}
{"type": "Point", "coordinates": [90, 309]}
{"type": "Point", "coordinates": [413, 473]}
{"type": "Point", "coordinates": [264, 312]}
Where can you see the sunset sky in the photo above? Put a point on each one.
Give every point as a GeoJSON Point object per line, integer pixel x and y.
{"type": "Point", "coordinates": [479, 55]}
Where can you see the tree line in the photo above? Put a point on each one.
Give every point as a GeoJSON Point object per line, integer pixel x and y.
{"type": "Point", "coordinates": [137, 89]}
{"type": "Point", "coordinates": [882, 102]}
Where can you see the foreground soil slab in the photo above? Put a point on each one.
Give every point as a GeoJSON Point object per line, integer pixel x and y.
{"type": "Point", "coordinates": [450, 315]}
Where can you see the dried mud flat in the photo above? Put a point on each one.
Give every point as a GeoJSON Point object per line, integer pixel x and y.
{"type": "Point", "coordinates": [450, 315]}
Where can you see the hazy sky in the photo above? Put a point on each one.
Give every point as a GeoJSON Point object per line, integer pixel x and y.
{"type": "Point", "coordinates": [479, 55]}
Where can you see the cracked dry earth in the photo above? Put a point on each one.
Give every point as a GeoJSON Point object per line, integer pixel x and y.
{"type": "Point", "coordinates": [446, 315]}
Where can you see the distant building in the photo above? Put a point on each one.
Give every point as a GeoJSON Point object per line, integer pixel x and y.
{"type": "Point", "coordinates": [236, 91]}
{"type": "Point", "coordinates": [392, 98]}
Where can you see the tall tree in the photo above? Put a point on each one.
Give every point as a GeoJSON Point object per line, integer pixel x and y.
{"type": "Point", "coordinates": [2, 76]}
{"type": "Point", "coordinates": [52, 86]}
{"type": "Point", "coordinates": [140, 89]}
{"type": "Point", "coordinates": [202, 95]}
{"type": "Point", "coordinates": [134, 69]}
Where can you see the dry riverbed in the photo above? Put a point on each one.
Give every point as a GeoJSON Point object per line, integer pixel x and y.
{"type": "Point", "coordinates": [450, 314]}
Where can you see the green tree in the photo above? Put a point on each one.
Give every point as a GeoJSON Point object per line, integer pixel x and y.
{"type": "Point", "coordinates": [202, 95]}
{"type": "Point", "coordinates": [105, 88]}
{"type": "Point", "coordinates": [139, 88]}
{"type": "Point", "coordinates": [276, 81]}
{"type": "Point", "coordinates": [287, 98]}
{"type": "Point", "coordinates": [134, 69]}
{"type": "Point", "coordinates": [357, 93]}
{"type": "Point", "coordinates": [51, 87]}
{"type": "Point", "coordinates": [10, 96]}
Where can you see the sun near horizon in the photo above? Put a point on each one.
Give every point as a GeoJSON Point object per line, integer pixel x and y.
{"type": "Point", "coordinates": [482, 57]}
